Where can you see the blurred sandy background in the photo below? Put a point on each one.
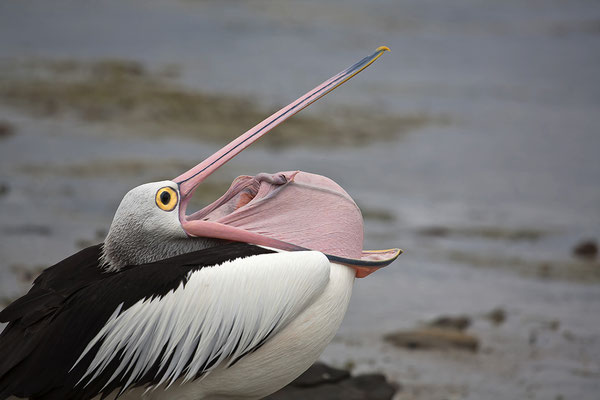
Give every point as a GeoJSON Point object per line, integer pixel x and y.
{"type": "Point", "coordinates": [474, 145]}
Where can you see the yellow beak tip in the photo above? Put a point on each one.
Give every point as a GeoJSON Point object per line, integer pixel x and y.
{"type": "Point", "coordinates": [383, 48]}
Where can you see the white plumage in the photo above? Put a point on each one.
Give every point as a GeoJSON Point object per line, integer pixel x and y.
{"type": "Point", "coordinates": [301, 296]}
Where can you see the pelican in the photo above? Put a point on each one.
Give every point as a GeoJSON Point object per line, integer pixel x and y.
{"type": "Point", "coordinates": [233, 301]}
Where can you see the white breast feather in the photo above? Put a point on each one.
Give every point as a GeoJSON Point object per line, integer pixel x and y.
{"type": "Point", "coordinates": [239, 302]}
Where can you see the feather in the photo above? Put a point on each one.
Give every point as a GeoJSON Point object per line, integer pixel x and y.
{"type": "Point", "coordinates": [219, 314]}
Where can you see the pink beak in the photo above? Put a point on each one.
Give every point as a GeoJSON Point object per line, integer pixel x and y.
{"type": "Point", "coordinates": [289, 210]}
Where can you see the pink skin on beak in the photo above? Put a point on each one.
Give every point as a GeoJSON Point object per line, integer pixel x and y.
{"type": "Point", "coordinates": [274, 196]}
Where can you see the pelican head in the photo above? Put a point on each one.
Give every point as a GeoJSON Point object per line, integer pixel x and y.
{"type": "Point", "coordinates": [146, 228]}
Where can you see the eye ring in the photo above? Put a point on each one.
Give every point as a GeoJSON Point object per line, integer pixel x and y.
{"type": "Point", "coordinates": [166, 198]}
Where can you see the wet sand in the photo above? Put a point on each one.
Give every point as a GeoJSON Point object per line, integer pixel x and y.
{"type": "Point", "coordinates": [473, 146]}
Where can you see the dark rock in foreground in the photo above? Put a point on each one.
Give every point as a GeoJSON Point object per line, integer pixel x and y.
{"type": "Point", "coordinates": [321, 382]}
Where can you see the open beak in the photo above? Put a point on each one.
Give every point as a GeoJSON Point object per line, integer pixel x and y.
{"type": "Point", "coordinates": [288, 210]}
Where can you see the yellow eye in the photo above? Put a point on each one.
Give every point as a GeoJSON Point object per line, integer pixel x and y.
{"type": "Point", "coordinates": [166, 198]}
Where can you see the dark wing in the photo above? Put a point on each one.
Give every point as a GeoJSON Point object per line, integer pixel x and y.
{"type": "Point", "coordinates": [69, 303]}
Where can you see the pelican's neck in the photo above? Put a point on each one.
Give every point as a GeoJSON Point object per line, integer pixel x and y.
{"type": "Point", "coordinates": [118, 252]}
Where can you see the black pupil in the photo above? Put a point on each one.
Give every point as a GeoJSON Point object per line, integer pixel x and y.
{"type": "Point", "coordinates": [165, 197]}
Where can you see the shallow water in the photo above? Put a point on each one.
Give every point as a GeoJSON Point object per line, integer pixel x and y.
{"type": "Point", "coordinates": [516, 84]}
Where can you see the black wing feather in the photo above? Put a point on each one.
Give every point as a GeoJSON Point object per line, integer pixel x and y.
{"type": "Point", "coordinates": [68, 305]}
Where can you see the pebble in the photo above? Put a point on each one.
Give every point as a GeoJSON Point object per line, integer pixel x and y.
{"type": "Point", "coordinates": [587, 249]}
